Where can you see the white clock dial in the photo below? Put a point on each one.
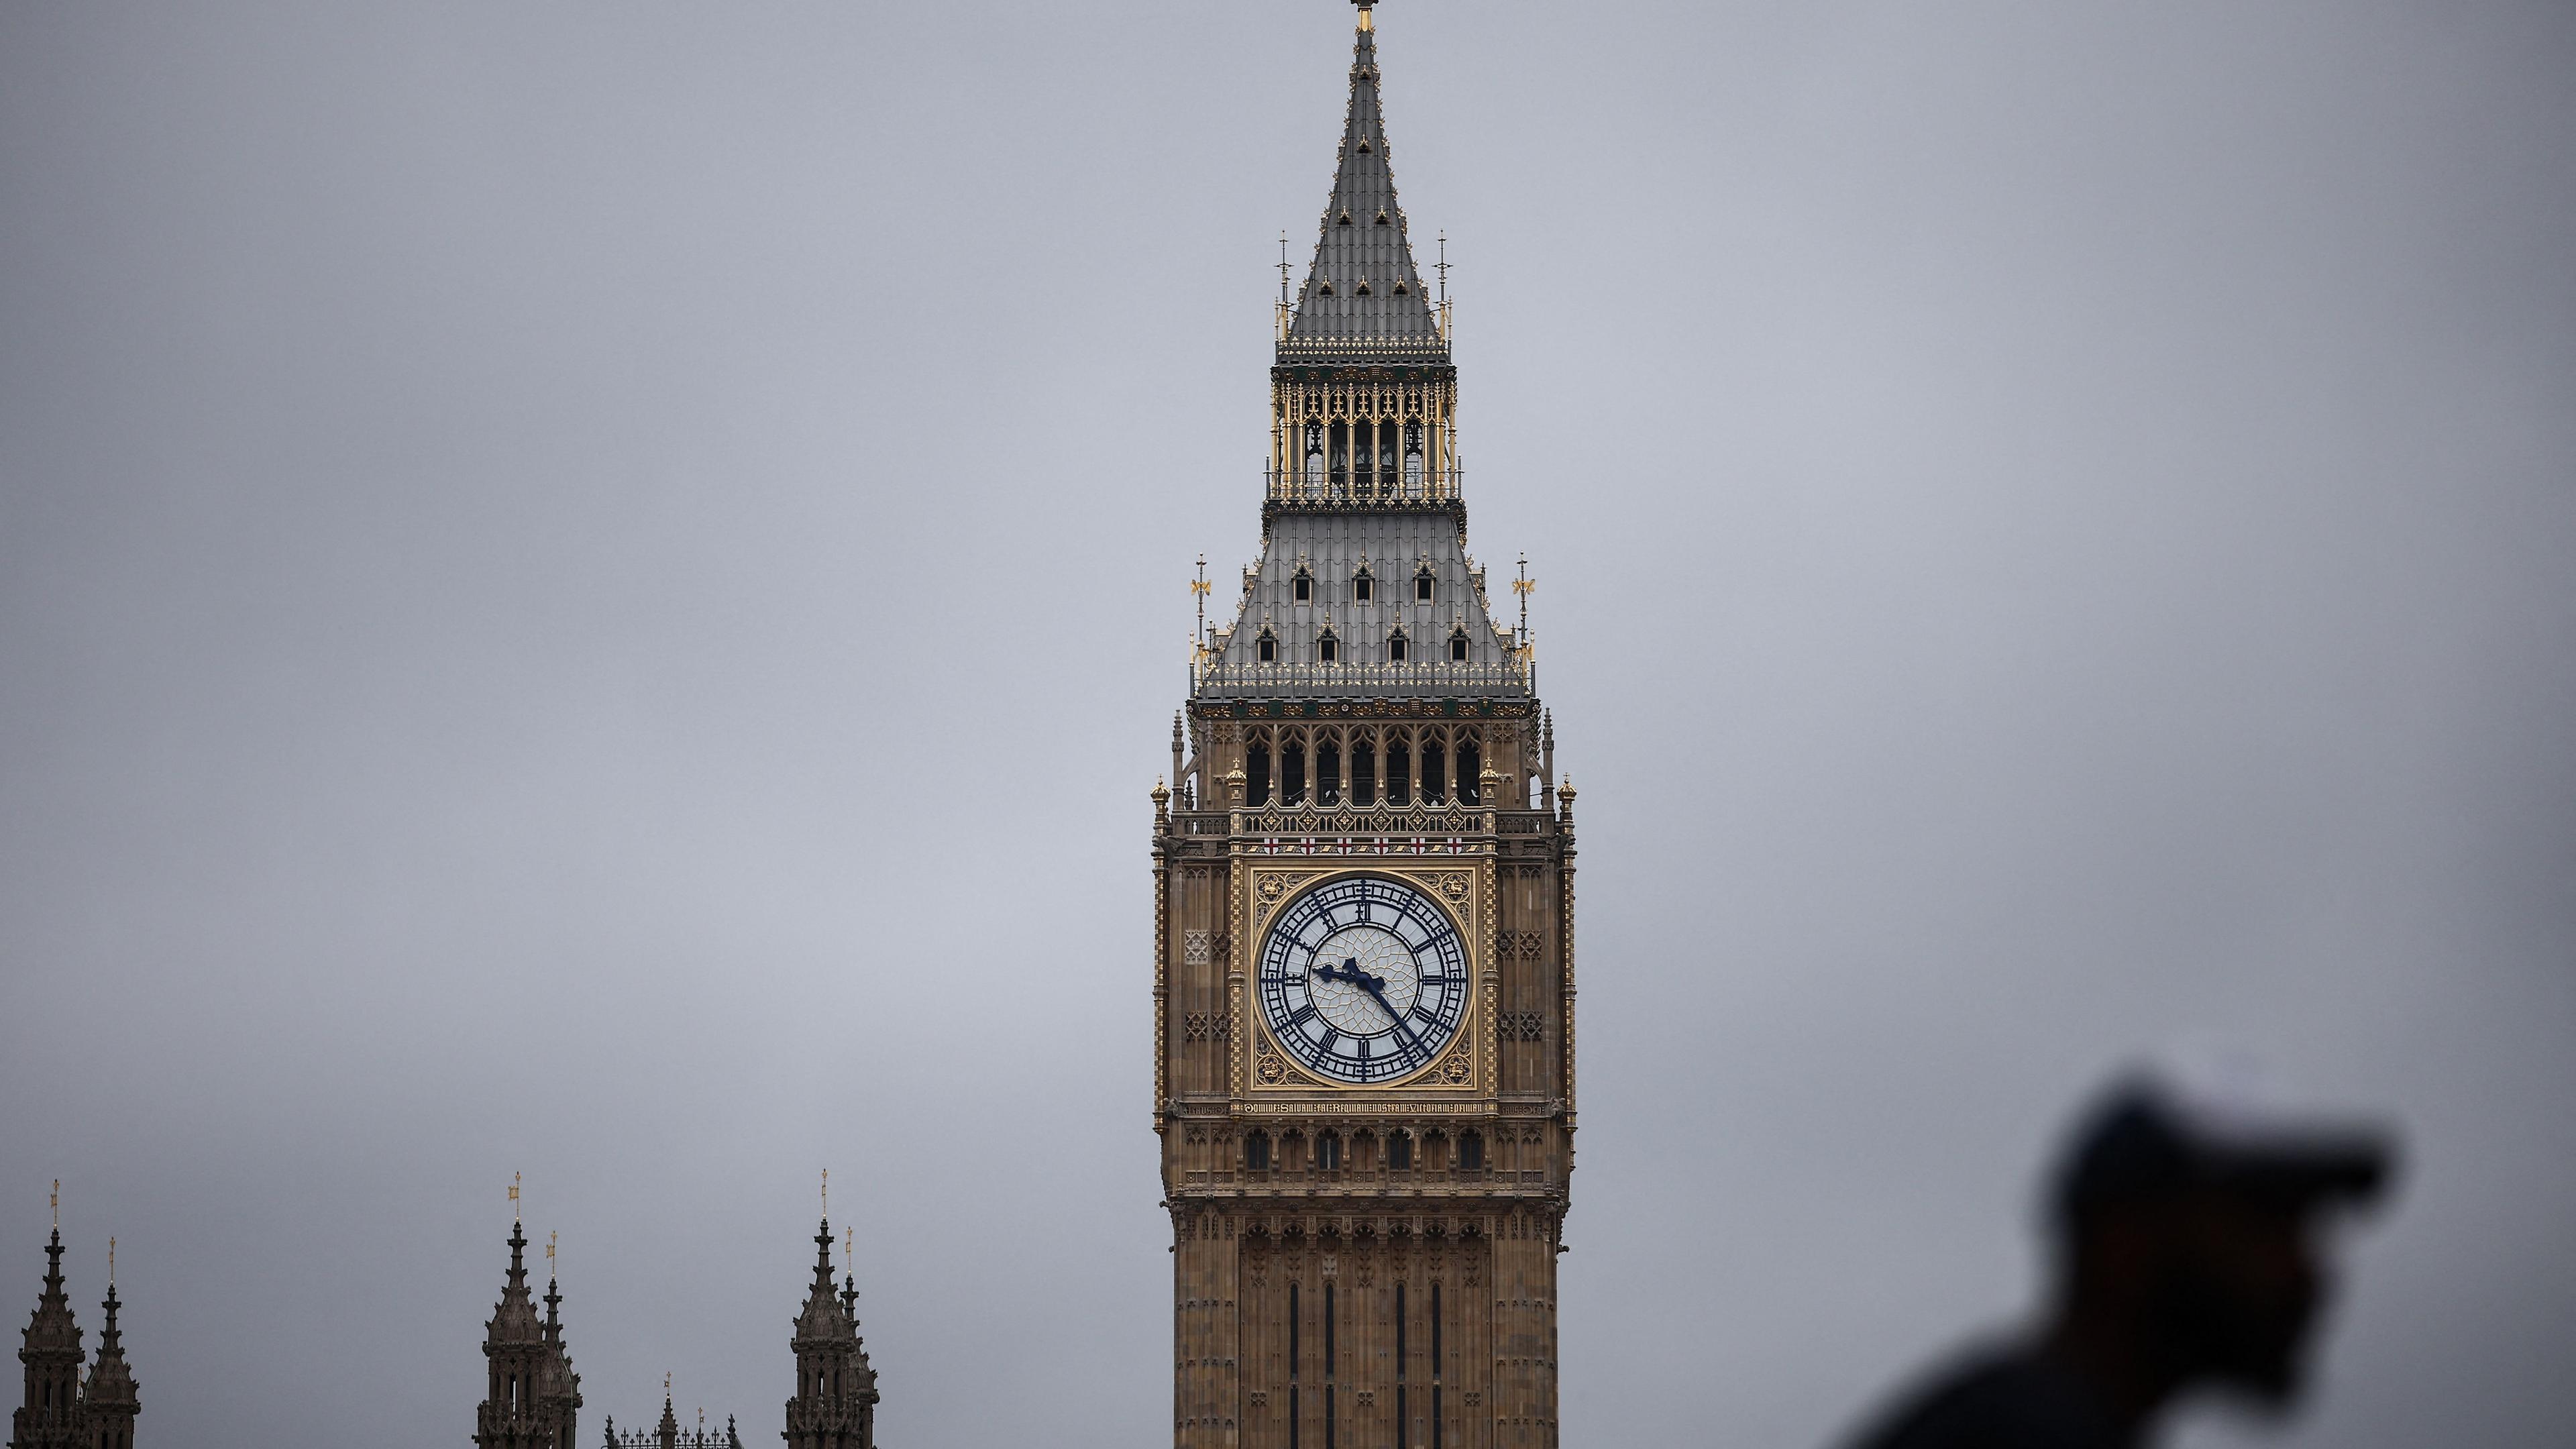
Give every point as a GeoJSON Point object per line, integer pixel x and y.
{"type": "Point", "coordinates": [1363, 980]}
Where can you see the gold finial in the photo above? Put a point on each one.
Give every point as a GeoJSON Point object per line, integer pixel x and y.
{"type": "Point", "coordinates": [514, 1197]}
{"type": "Point", "coordinates": [57, 1204]}
{"type": "Point", "coordinates": [666, 1385]}
{"type": "Point", "coordinates": [1365, 22]}
{"type": "Point", "coordinates": [849, 1247]}
{"type": "Point", "coordinates": [550, 1253]}
{"type": "Point", "coordinates": [111, 1260]}
{"type": "Point", "coordinates": [827, 1192]}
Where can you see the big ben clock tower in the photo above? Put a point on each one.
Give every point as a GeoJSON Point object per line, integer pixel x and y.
{"type": "Point", "coordinates": [1363, 987]}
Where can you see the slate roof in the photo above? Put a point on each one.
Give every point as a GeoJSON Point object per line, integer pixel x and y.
{"type": "Point", "coordinates": [1332, 548]}
{"type": "Point", "coordinates": [1363, 295]}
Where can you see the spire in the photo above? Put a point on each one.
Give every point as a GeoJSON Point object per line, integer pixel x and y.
{"type": "Point", "coordinates": [110, 1390]}
{"type": "Point", "coordinates": [50, 1347]}
{"type": "Point", "coordinates": [532, 1394]}
{"type": "Point", "coordinates": [836, 1390]}
{"type": "Point", "coordinates": [823, 1319]}
{"type": "Point", "coordinates": [1363, 294]}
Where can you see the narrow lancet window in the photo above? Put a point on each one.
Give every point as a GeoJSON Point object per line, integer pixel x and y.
{"type": "Point", "coordinates": [1363, 773]}
{"type": "Point", "coordinates": [1436, 1370]}
{"type": "Point", "coordinates": [1471, 773]}
{"type": "Point", "coordinates": [1330, 1408]}
{"type": "Point", "coordinates": [1292, 775]}
{"type": "Point", "coordinates": [1293, 1366]}
{"type": "Point", "coordinates": [1256, 775]}
{"type": "Point", "coordinates": [1328, 773]}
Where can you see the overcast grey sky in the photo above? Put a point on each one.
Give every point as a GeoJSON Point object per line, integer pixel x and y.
{"type": "Point", "coordinates": [596, 591]}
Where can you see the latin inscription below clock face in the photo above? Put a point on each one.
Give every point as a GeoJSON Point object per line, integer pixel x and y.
{"type": "Point", "coordinates": [1363, 980]}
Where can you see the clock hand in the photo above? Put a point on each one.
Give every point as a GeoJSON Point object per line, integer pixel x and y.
{"type": "Point", "coordinates": [1376, 988]}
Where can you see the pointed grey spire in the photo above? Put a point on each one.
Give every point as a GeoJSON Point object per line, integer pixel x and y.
{"type": "Point", "coordinates": [1363, 294]}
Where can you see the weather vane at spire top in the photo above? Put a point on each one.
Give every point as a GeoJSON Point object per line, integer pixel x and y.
{"type": "Point", "coordinates": [514, 1198]}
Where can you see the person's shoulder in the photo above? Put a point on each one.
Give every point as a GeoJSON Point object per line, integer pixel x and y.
{"type": "Point", "coordinates": [1992, 1398]}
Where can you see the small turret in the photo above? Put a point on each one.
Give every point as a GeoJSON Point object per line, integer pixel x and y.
{"type": "Point", "coordinates": [109, 1396]}
{"type": "Point", "coordinates": [836, 1390]}
{"type": "Point", "coordinates": [51, 1417]}
{"type": "Point", "coordinates": [531, 1393]}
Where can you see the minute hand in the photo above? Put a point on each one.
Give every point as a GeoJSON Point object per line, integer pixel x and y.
{"type": "Point", "coordinates": [1377, 993]}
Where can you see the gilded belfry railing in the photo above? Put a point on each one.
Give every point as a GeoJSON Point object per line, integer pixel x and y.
{"type": "Point", "coordinates": [1329, 485]}
{"type": "Point", "coordinates": [1215, 677]}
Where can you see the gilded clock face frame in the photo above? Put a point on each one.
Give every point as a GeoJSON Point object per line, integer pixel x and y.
{"type": "Point", "coordinates": [1364, 980]}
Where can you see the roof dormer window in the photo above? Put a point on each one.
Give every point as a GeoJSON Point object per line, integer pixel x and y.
{"type": "Point", "coordinates": [1396, 644]}
{"type": "Point", "coordinates": [1328, 648]}
{"type": "Point", "coordinates": [1265, 646]}
{"type": "Point", "coordinates": [1422, 585]}
{"type": "Point", "coordinates": [1302, 586]}
{"type": "Point", "coordinates": [1381, 216]}
{"type": "Point", "coordinates": [1363, 586]}
{"type": "Point", "coordinates": [1458, 646]}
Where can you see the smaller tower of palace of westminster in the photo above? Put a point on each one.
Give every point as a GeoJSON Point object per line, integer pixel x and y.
{"type": "Point", "coordinates": [1363, 984]}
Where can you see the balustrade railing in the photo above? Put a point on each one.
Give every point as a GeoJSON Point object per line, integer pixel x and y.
{"type": "Point", "coordinates": [1326, 485]}
{"type": "Point", "coordinates": [1215, 677]}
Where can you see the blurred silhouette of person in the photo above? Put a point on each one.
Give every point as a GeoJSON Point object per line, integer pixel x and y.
{"type": "Point", "coordinates": [2184, 1215]}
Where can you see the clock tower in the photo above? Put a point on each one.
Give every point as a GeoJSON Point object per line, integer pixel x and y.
{"type": "Point", "coordinates": [1363, 982]}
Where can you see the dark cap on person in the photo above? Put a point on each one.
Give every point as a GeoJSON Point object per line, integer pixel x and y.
{"type": "Point", "coordinates": [2171, 1129]}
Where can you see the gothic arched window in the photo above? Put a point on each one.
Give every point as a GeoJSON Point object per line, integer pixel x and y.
{"type": "Point", "coordinates": [1471, 1150]}
{"type": "Point", "coordinates": [1458, 646]}
{"type": "Point", "coordinates": [1328, 648]}
{"type": "Point", "coordinates": [1265, 647]}
{"type": "Point", "coordinates": [1256, 1152]}
{"type": "Point", "coordinates": [1395, 644]}
{"type": "Point", "coordinates": [1422, 585]}
{"type": "Point", "coordinates": [1362, 586]}
{"type": "Point", "coordinates": [1256, 775]}
{"type": "Point", "coordinates": [1399, 1150]}
{"type": "Point", "coordinates": [1301, 585]}
{"type": "Point", "coordinates": [1328, 1151]}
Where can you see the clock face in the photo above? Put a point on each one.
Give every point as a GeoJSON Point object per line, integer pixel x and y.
{"type": "Point", "coordinates": [1363, 980]}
